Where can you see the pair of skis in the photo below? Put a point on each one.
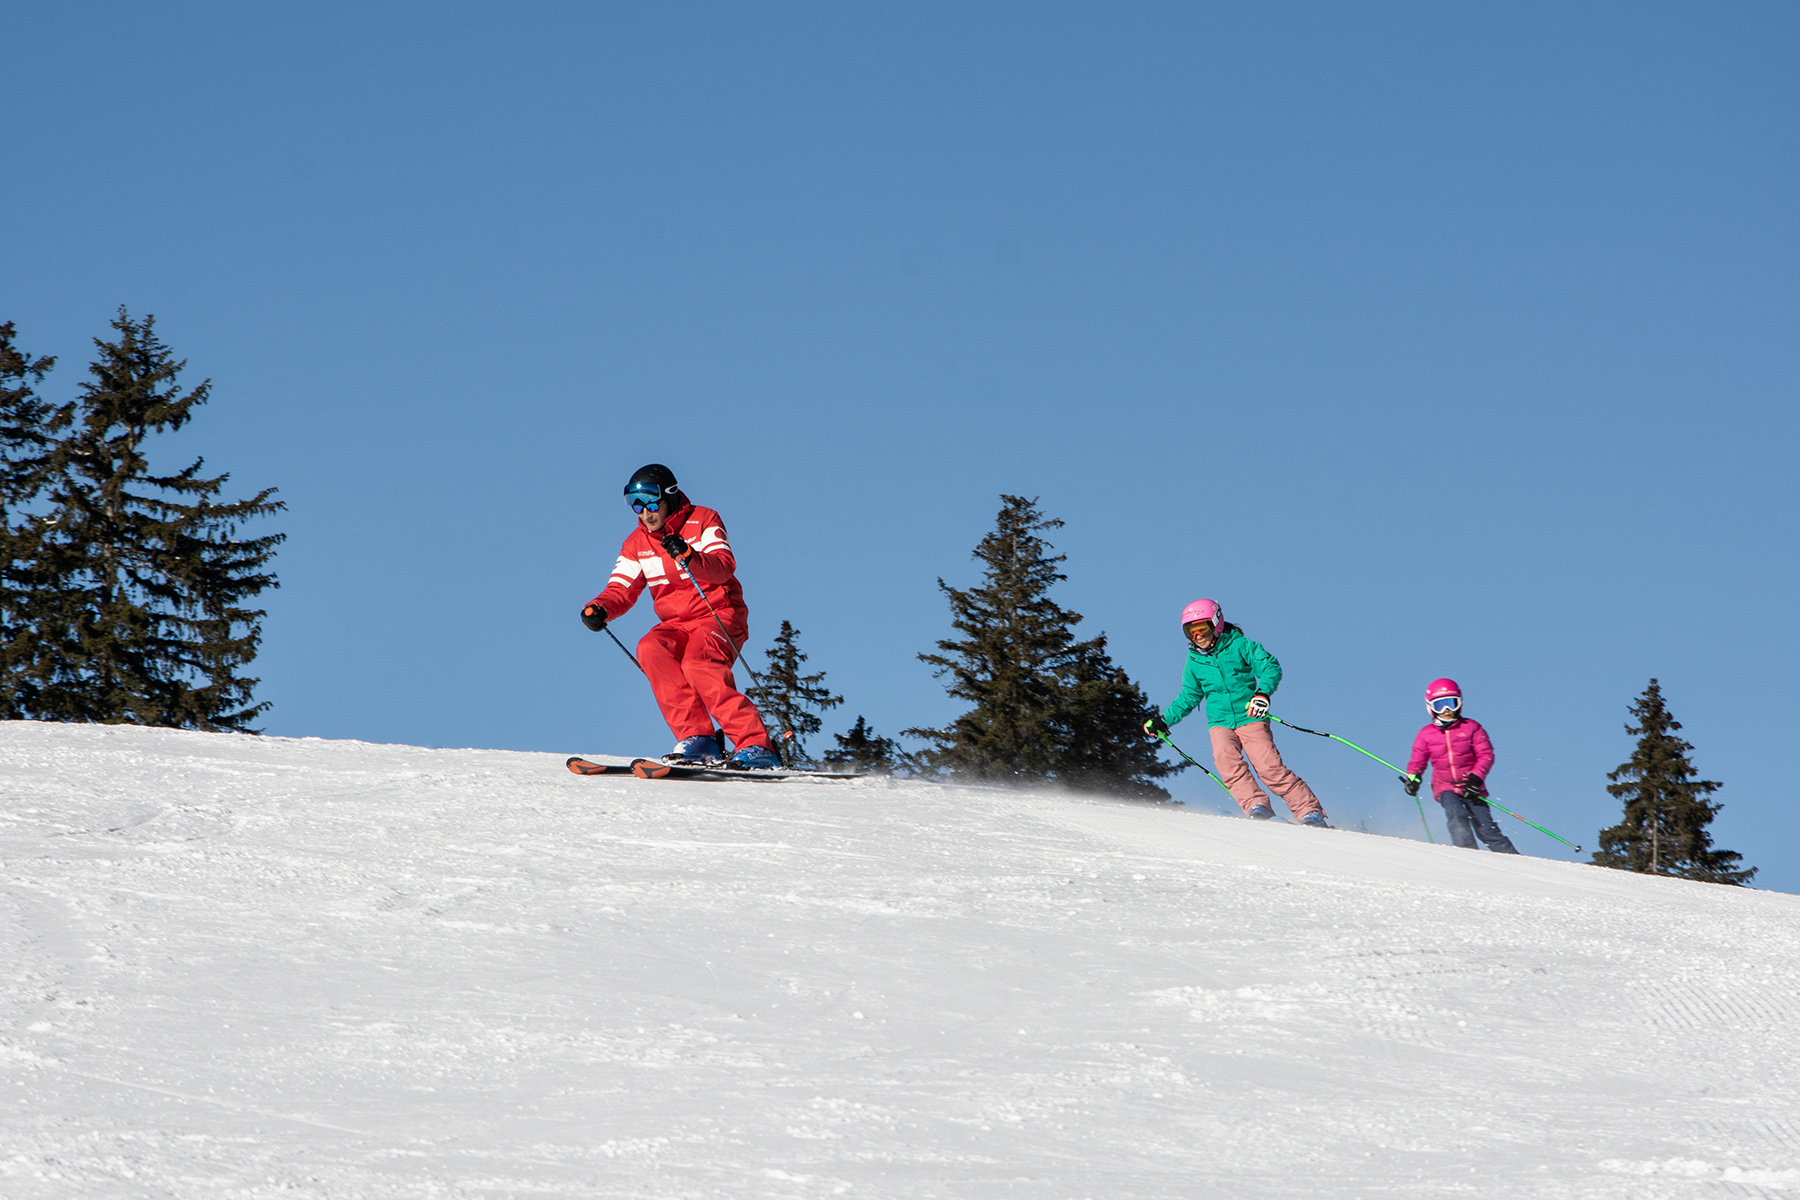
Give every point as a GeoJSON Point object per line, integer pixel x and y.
{"type": "Point", "coordinates": [652, 768]}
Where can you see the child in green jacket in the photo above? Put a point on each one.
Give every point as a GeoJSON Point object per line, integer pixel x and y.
{"type": "Point", "coordinates": [1235, 677]}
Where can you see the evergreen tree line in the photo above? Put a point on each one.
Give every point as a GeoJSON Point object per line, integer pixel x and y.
{"type": "Point", "coordinates": [1046, 705]}
{"type": "Point", "coordinates": [124, 598]}
{"type": "Point", "coordinates": [124, 590]}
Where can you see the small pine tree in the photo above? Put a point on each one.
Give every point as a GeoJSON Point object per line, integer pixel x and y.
{"type": "Point", "coordinates": [790, 703]}
{"type": "Point", "coordinates": [1045, 705]}
{"type": "Point", "coordinates": [1666, 807]}
{"type": "Point", "coordinates": [135, 610]}
{"type": "Point", "coordinates": [862, 749]}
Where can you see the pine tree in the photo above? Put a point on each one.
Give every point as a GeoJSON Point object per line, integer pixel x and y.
{"type": "Point", "coordinates": [1102, 730]}
{"type": "Point", "coordinates": [1666, 807]}
{"type": "Point", "coordinates": [790, 703]}
{"type": "Point", "coordinates": [1007, 666]}
{"type": "Point", "coordinates": [1044, 704]}
{"type": "Point", "coordinates": [863, 749]}
{"type": "Point", "coordinates": [135, 613]}
{"type": "Point", "coordinates": [25, 443]}
{"type": "Point", "coordinates": [24, 421]}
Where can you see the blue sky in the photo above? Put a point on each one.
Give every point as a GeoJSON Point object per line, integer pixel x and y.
{"type": "Point", "coordinates": [1428, 339]}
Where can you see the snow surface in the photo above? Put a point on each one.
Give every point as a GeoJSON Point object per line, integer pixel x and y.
{"type": "Point", "coordinates": [241, 966]}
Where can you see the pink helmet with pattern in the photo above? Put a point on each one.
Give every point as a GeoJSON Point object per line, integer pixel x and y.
{"type": "Point", "coordinates": [1202, 610]}
{"type": "Point", "coordinates": [1442, 687]}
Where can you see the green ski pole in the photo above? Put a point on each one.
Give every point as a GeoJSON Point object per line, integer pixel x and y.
{"type": "Point", "coordinates": [1191, 762]}
{"type": "Point", "coordinates": [1489, 800]}
{"type": "Point", "coordinates": [1384, 762]}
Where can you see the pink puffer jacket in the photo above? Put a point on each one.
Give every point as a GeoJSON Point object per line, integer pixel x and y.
{"type": "Point", "coordinates": [1455, 751]}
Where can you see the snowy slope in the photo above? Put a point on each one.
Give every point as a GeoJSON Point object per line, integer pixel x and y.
{"type": "Point", "coordinates": [260, 967]}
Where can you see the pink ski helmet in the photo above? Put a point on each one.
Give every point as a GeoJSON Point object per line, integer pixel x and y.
{"type": "Point", "coordinates": [1202, 610]}
{"type": "Point", "coordinates": [1437, 690]}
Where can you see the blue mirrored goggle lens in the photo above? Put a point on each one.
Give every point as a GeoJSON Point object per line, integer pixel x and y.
{"type": "Point", "coordinates": [642, 500]}
{"type": "Point", "coordinates": [1446, 703]}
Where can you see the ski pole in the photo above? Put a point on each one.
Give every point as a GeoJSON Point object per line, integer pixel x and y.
{"type": "Point", "coordinates": [735, 648]}
{"type": "Point", "coordinates": [621, 646]}
{"type": "Point", "coordinates": [1489, 800]}
{"type": "Point", "coordinates": [1191, 762]}
{"type": "Point", "coordinates": [1384, 762]}
{"type": "Point", "coordinates": [1334, 737]}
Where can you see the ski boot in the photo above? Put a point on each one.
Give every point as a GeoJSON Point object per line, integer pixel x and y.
{"type": "Point", "coordinates": [1261, 812]}
{"type": "Point", "coordinates": [754, 758]}
{"type": "Point", "coordinates": [1315, 820]}
{"type": "Point", "coordinates": [701, 750]}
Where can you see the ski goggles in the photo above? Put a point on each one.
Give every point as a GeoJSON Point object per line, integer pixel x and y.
{"type": "Point", "coordinates": [642, 500]}
{"type": "Point", "coordinates": [1444, 704]}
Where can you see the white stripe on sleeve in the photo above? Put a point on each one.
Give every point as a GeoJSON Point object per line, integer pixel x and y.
{"type": "Point", "coordinates": [624, 571]}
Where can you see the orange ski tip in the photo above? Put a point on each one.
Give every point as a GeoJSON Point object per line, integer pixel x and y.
{"type": "Point", "coordinates": [582, 766]}
{"type": "Point", "coordinates": [649, 768]}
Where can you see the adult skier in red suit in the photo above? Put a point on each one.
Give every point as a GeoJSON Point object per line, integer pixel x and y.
{"type": "Point", "coordinates": [680, 554]}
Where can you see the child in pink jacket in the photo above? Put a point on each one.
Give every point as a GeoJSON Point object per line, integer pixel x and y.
{"type": "Point", "coordinates": [1460, 755]}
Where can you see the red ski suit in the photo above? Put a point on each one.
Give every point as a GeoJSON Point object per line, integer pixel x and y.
{"type": "Point", "coordinates": [684, 654]}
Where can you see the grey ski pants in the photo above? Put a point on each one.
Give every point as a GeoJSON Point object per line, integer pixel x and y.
{"type": "Point", "coordinates": [1471, 818]}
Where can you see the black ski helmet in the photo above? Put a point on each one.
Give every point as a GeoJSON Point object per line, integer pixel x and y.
{"type": "Point", "coordinates": [654, 479]}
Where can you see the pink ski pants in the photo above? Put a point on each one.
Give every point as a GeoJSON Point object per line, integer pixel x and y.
{"type": "Point", "coordinates": [1256, 742]}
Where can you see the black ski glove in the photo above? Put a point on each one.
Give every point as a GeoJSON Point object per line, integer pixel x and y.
{"type": "Point", "coordinates": [1411, 783]}
{"type": "Point", "coordinates": [594, 617]}
{"type": "Point", "coordinates": [674, 546]}
{"type": "Point", "coordinates": [1472, 788]}
{"type": "Point", "coordinates": [1156, 726]}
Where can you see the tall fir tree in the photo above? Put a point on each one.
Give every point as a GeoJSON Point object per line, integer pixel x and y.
{"type": "Point", "coordinates": [790, 702]}
{"type": "Point", "coordinates": [136, 613]}
{"type": "Point", "coordinates": [1666, 808]}
{"type": "Point", "coordinates": [863, 749]}
{"type": "Point", "coordinates": [25, 442]}
{"type": "Point", "coordinates": [1044, 704]}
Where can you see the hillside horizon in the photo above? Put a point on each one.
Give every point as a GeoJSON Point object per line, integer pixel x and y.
{"type": "Point", "coordinates": [247, 966]}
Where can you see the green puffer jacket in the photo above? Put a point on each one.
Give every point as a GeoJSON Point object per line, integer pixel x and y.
{"type": "Point", "coordinates": [1235, 670]}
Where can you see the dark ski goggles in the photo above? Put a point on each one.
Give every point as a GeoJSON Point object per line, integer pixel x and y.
{"type": "Point", "coordinates": [643, 501]}
{"type": "Point", "coordinates": [1444, 704]}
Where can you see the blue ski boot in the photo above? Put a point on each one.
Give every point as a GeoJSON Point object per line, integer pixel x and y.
{"type": "Point", "coordinates": [1315, 819]}
{"type": "Point", "coordinates": [1261, 812]}
{"type": "Point", "coordinates": [701, 750]}
{"type": "Point", "coordinates": [755, 758]}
